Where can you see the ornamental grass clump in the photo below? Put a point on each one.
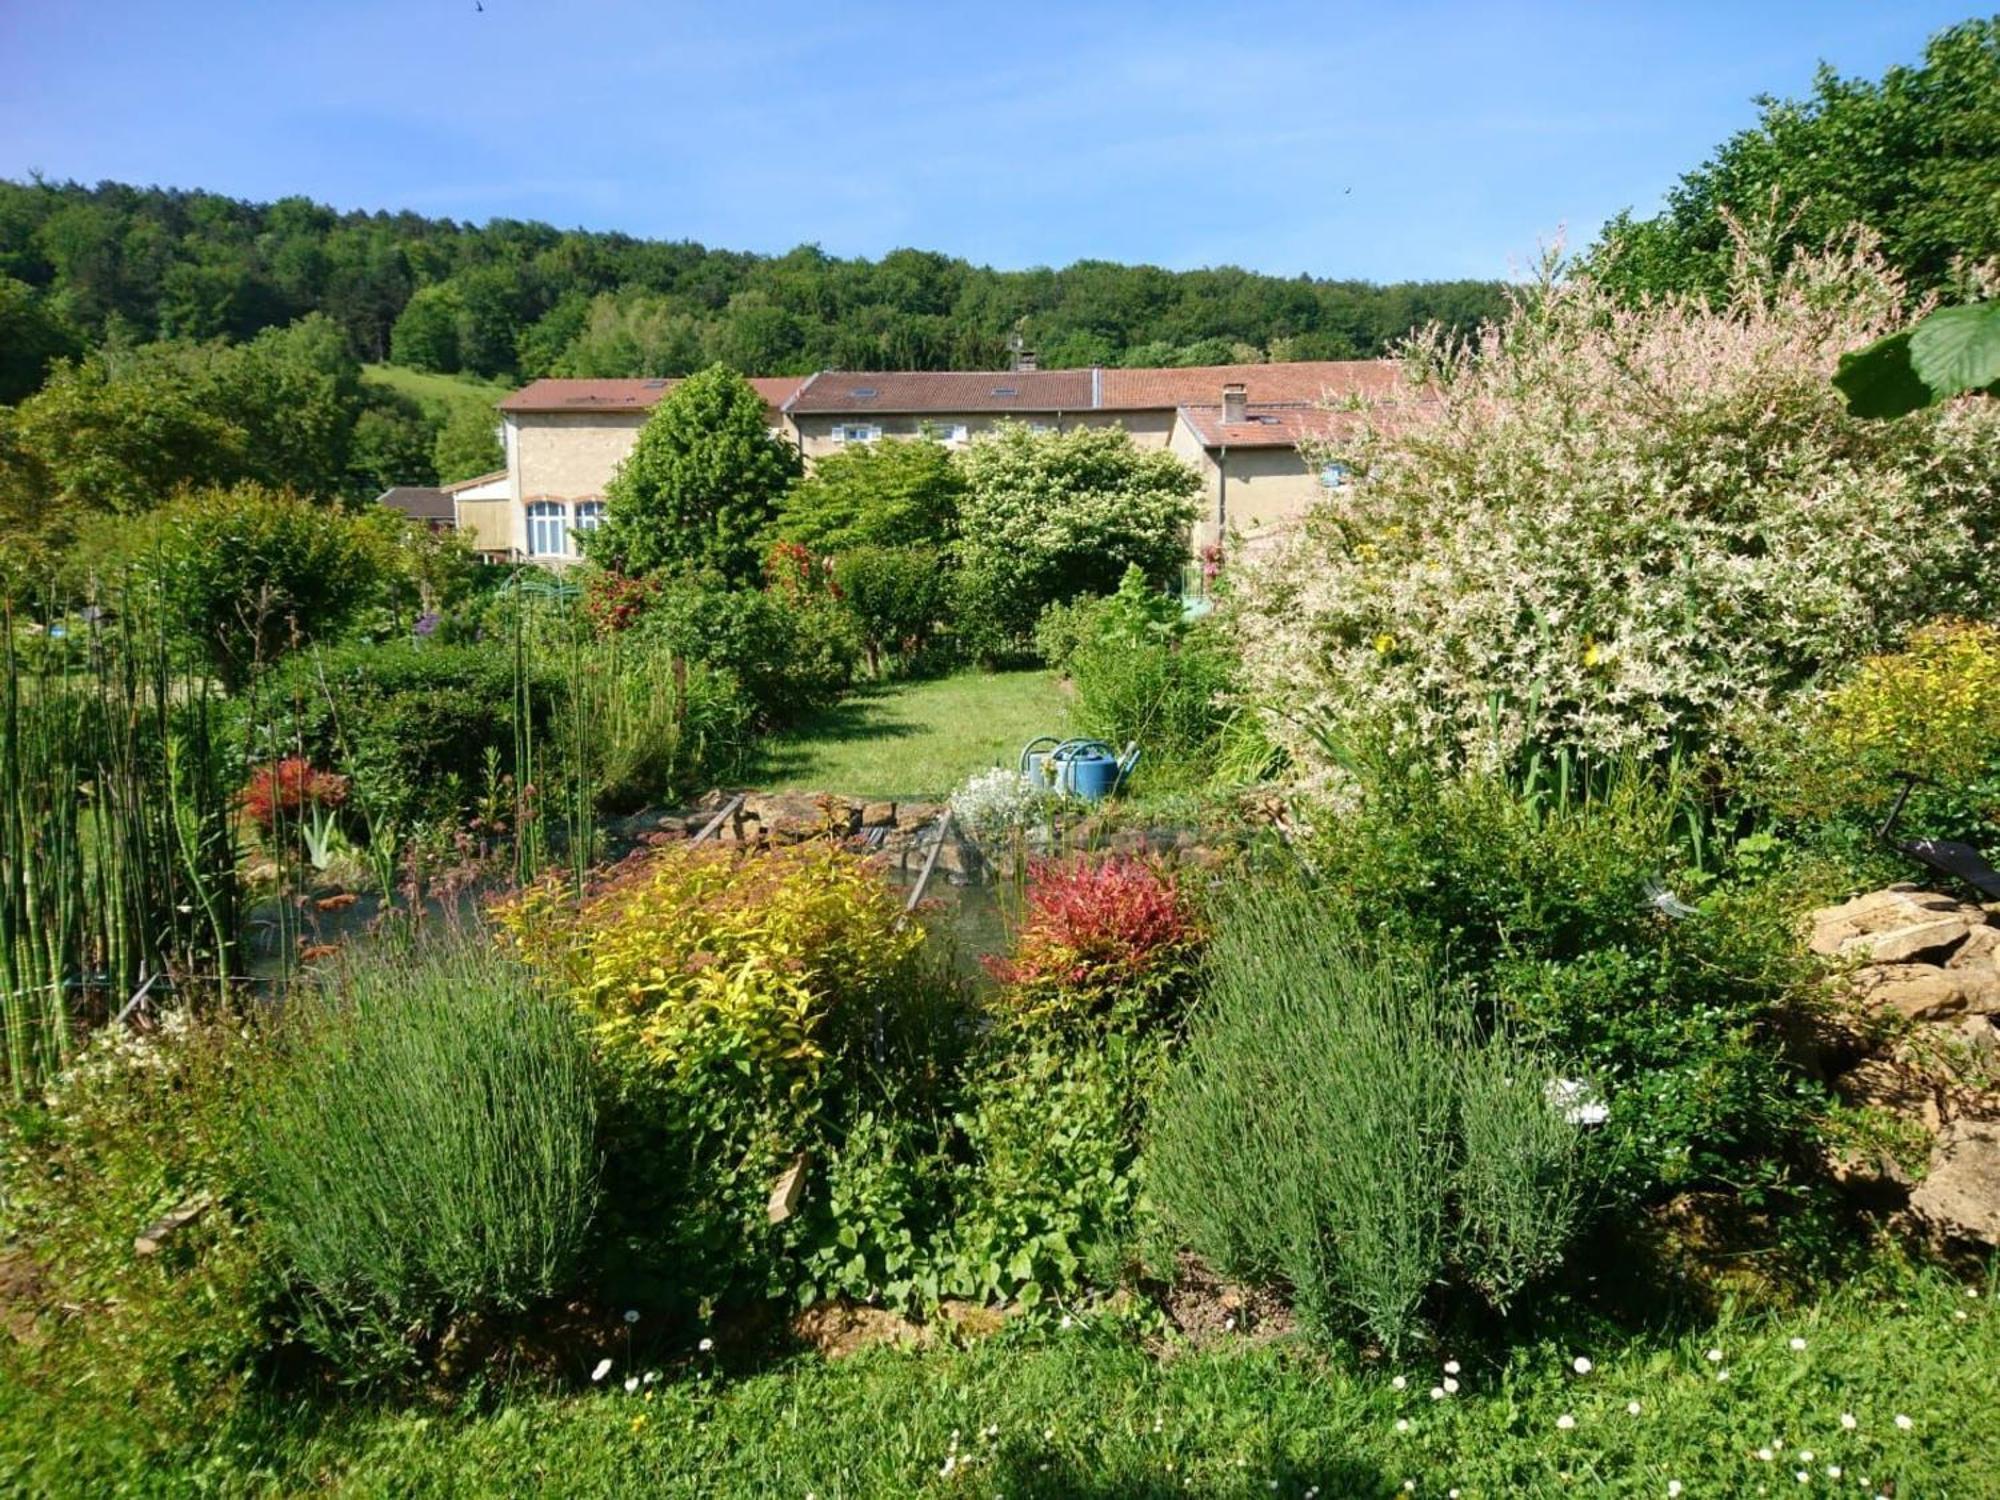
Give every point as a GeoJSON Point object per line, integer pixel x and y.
{"type": "Point", "coordinates": [426, 1151]}
{"type": "Point", "coordinates": [1620, 529]}
{"type": "Point", "coordinates": [1336, 1126]}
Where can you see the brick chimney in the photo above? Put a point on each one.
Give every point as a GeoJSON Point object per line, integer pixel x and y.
{"type": "Point", "coordinates": [1235, 404]}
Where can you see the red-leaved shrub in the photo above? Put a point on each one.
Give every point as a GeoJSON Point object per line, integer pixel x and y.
{"type": "Point", "coordinates": [1103, 938]}
{"type": "Point", "coordinates": [284, 790]}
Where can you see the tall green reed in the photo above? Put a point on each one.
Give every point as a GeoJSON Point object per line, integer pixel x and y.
{"type": "Point", "coordinates": [117, 840]}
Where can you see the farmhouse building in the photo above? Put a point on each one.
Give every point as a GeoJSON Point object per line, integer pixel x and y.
{"type": "Point", "coordinates": [1246, 429]}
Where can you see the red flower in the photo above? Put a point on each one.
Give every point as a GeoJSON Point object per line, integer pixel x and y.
{"type": "Point", "coordinates": [286, 789]}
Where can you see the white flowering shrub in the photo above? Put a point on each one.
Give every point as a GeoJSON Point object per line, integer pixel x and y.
{"type": "Point", "coordinates": [994, 805]}
{"type": "Point", "coordinates": [1620, 529]}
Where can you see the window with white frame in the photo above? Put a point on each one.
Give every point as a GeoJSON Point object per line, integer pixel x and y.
{"type": "Point", "coordinates": [589, 515]}
{"type": "Point", "coordinates": [855, 432]}
{"type": "Point", "coordinates": [548, 528]}
{"type": "Point", "coordinates": [1333, 476]}
{"type": "Point", "coordinates": [1039, 428]}
{"type": "Point", "coordinates": [944, 432]}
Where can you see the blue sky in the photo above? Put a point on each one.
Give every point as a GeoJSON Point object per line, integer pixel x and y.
{"type": "Point", "coordinates": [1383, 141]}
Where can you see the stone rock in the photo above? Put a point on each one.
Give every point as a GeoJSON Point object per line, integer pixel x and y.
{"type": "Point", "coordinates": [1980, 1033]}
{"type": "Point", "coordinates": [1980, 950]}
{"type": "Point", "coordinates": [1902, 1090]}
{"type": "Point", "coordinates": [879, 815]}
{"type": "Point", "coordinates": [1923, 992]}
{"type": "Point", "coordinates": [1834, 928]}
{"type": "Point", "coordinates": [1931, 938]}
{"type": "Point", "coordinates": [1959, 1198]}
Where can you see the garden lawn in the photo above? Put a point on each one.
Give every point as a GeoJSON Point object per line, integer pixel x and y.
{"type": "Point", "coordinates": [1089, 1411]}
{"type": "Point", "coordinates": [914, 739]}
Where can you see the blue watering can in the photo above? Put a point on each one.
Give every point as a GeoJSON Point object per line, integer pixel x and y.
{"type": "Point", "coordinates": [1087, 769]}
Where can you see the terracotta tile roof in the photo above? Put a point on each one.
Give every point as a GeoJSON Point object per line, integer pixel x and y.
{"type": "Point", "coordinates": [1276, 425]}
{"type": "Point", "coordinates": [944, 391]}
{"type": "Point", "coordinates": [418, 502]}
{"type": "Point", "coordinates": [1304, 382]}
{"type": "Point", "coordinates": [627, 395]}
{"type": "Point", "coordinates": [1267, 427]}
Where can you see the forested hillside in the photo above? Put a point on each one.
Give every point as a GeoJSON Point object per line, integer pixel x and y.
{"type": "Point", "coordinates": [85, 265]}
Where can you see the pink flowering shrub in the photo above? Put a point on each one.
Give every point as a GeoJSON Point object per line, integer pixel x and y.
{"type": "Point", "coordinates": [1102, 938]}
{"type": "Point", "coordinates": [1619, 529]}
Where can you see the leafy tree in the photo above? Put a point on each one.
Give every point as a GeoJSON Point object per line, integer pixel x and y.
{"type": "Point", "coordinates": [1049, 516]}
{"type": "Point", "coordinates": [1915, 157]}
{"type": "Point", "coordinates": [888, 494]}
{"type": "Point", "coordinates": [426, 333]}
{"type": "Point", "coordinates": [897, 595]}
{"type": "Point", "coordinates": [296, 392]}
{"type": "Point", "coordinates": [31, 339]}
{"type": "Point", "coordinates": [126, 441]}
{"type": "Point", "coordinates": [632, 334]}
{"type": "Point", "coordinates": [700, 486]}
{"type": "Point", "coordinates": [392, 444]}
{"type": "Point", "coordinates": [468, 444]}
{"type": "Point", "coordinates": [122, 430]}
{"type": "Point", "coordinates": [247, 573]}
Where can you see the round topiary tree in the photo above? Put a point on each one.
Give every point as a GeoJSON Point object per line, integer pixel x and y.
{"type": "Point", "coordinates": [701, 486]}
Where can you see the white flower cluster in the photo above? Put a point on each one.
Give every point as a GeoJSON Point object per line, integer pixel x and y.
{"type": "Point", "coordinates": [1619, 529]}
{"type": "Point", "coordinates": [994, 805]}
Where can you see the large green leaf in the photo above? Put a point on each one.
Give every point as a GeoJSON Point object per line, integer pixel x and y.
{"type": "Point", "coordinates": [1880, 381]}
{"type": "Point", "coordinates": [1957, 349]}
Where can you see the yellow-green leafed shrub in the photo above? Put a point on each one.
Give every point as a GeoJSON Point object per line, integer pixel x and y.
{"type": "Point", "coordinates": [1931, 710]}
{"type": "Point", "coordinates": [690, 956]}
{"type": "Point", "coordinates": [750, 1008]}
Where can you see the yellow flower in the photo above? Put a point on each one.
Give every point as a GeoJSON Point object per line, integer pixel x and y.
{"type": "Point", "coordinates": [1385, 643]}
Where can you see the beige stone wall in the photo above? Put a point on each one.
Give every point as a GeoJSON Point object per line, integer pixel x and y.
{"type": "Point", "coordinates": [571, 455]}
{"type": "Point", "coordinates": [1266, 488]}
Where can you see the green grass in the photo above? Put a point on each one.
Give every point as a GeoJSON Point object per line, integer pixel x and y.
{"type": "Point", "coordinates": [433, 390]}
{"type": "Point", "coordinates": [1092, 1411]}
{"type": "Point", "coordinates": [914, 739]}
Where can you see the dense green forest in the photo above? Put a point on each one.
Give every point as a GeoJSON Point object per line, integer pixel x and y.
{"type": "Point", "coordinates": [112, 263]}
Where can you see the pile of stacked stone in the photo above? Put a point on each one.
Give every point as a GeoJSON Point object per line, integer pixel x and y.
{"type": "Point", "coordinates": [1916, 978]}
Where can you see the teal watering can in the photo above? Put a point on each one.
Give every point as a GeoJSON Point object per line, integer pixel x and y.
{"type": "Point", "coordinates": [1086, 769]}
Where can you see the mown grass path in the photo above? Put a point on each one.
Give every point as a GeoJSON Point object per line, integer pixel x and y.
{"type": "Point", "coordinates": [913, 739]}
